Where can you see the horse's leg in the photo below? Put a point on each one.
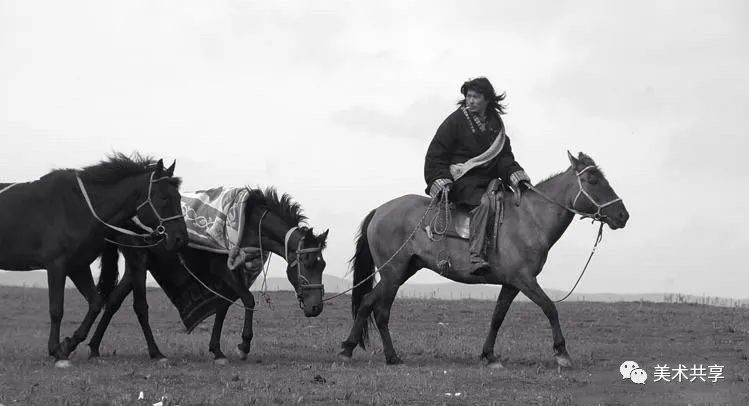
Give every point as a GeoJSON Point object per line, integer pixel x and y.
{"type": "Point", "coordinates": [247, 333]}
{"type": "Point", "coordinates": [381, 311]}
{"type": "Point", "coordinates": [114, 301]}
{"type": "Point", "coordinates": [506, 296]}
{"type": "Point", "coordinates": [383, 305]}
{"type": "Point", "coordinates": [380, 299]}
{"type": "Point", "coordinates": [532, 289]}
{"type": "Point", "coordinates": [84, 282]}
{"type": "Point", "coordinates": [248, 300]}
{"type": "Point", "coordinates": [56, 290]}
{"type": "Point", "coordinates": [140, 305]}
{"type": "Point", "coordinates": [214, 347]}
{"type": "Point", "coordinates": [362, 316]}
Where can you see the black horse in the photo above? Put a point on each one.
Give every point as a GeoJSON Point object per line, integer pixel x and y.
{"type": "Point", "coordinates": [273, 221]}
{"type": "Point", "coordinates": [60, 222]}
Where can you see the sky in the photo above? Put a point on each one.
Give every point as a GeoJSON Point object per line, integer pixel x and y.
{"type": "Point", "coordinates": [335, 103]}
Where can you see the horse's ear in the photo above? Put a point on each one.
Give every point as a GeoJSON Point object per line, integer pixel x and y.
{"type": "Point", "coordinates": [572, 159]}
{"type": "Point", "coordinates": [170, 170]}
{"type": "Point", "coordinates": [324, 236]}
{"type": "Point", "coordinates": [159, 166]}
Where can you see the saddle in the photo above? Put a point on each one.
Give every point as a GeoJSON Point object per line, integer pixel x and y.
{"type": "Point", "coordinates": [460, 216]}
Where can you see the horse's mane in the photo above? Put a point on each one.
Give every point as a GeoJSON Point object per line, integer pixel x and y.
{"type": "Point", "coordinates": [284, 206]}
{"type": "Point", "coordinates": [583, 158]}
{"type": "Point", "coordinates": [118, 166]}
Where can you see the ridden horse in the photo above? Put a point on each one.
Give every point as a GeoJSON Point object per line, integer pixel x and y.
{"type": "Point", "coordinates": [530, 228]}
{"type": "Point", "coordinates": [60, 221]}
{"type": "Point", "coordinates": [273, 222]}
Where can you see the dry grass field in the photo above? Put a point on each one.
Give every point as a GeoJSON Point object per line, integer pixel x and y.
{"type": "Point", "coordinates": [293, 359]}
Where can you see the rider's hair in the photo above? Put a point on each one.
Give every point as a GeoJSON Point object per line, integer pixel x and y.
{"type": "Point", "coordinates": [483, 86]}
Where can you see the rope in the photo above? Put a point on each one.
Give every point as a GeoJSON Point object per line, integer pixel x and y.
{"type": "Point", "coordinates": [599, 237]}
{"type": "Point", "coordinates": [5, 189]}
{"type": "Point", "coordinates": [133, 246]}
{"type": "Point", "coordinates": [96, 216]}
{"type": "Point", "coordinates": [265, 273]}
{"type": "Point", "coordinates": [433, 224]}
{"type": "Point", "coordinates": [231, 302]}
{"type": "Point", "coordinates": [380, 268]}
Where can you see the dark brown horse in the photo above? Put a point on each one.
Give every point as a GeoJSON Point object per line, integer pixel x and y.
{"type": "Point", "coordinates": [528, 231]}
{"type": "Point", "coordinates": [60, 222]}
{"type": "Point", "coordinates": [278, 219]}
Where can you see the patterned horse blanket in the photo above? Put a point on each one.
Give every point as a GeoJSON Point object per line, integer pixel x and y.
{"type": "Point", "coordinates": [215, 221]}
{"type": "Point", "coordinates": [215, 217]}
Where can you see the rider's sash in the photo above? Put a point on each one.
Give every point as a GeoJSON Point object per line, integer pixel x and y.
{"type": "Point", "coordinates": [458, 170]}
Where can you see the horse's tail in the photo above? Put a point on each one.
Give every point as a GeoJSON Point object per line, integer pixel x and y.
{"type": "Point", "coordinates": [363, 267]}
{"type": "Point", "coordinates": [110, 271]}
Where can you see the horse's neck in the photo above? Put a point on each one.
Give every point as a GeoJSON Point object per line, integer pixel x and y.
{"type": "Point", "coordinates": [115, 203]}
{"type": "Point", "coordinates": [552, 219]}
{"type": "Point", "coordinates": [273, 234]}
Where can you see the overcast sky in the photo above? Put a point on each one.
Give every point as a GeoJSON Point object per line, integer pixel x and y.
{"type": "Point", "coordinates": [336, 103]}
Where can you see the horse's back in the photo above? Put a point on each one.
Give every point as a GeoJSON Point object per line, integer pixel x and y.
{"type": "Point", "coordinates": [403, 206]}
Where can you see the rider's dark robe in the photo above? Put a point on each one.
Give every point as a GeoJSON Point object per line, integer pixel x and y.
{"type": "Point", "coordinates": [457, 141]}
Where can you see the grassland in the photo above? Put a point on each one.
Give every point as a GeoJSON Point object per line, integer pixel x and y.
{"type": "Point", "coordinates": [293, 359]}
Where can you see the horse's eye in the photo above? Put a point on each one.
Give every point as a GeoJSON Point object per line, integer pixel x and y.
{"type": "Point", "coordinates": [593, 180]}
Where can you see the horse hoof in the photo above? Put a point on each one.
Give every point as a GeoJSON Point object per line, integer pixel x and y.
{"type": "Point", "coordinates": [94, 355]}
{"type": "Point", "coordinates": [221, 361]}
{"type": "Point", "coordinates": [495, 365]}
{"type": "Point", "coordinates": [343, 356]}
{"type": "Point", "coordinates": [63, 363]}
{"type": "Point", "coordinates": [163, 362]}
{"type": "Point", "coordinates": [564, 361]}
{"type": "Point", "coordinates": [242, 355]}
{"type": "Point", "coordinates": [394, 360]}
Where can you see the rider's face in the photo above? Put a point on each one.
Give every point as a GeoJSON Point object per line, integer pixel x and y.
{"type": "Point", "coordinates": [476, 102]}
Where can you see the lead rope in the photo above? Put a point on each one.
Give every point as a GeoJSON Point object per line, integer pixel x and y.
{"type": "Point", "coordinates": [599, 237]}
{"type": "Point", "coordinates": [380, 268]}
{"type": "Point", "coordinates": [231, 302]}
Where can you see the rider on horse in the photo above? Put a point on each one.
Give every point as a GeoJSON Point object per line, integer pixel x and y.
{"type": "Point", "coordinates": [469, 150]}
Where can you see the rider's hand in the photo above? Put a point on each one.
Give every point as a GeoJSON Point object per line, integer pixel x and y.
{"type": "Point", "coordinates": [519, 176]}
{"type": "Point", "coordinates": [439, 186]}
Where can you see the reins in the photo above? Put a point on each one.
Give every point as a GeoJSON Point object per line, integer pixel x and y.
{"type": "Point", "coordinates": [160, 229]}
{"type": "Point", "coordinates": [597, 216]}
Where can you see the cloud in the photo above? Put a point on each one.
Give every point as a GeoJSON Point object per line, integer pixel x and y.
{"type": "Point", "coordinates": [419, 120]}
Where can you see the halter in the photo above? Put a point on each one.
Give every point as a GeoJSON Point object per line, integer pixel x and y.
{"type": "Point", "coordinates": [160, 229]}
{"type": "Point", "coordinates": [302, 281]}
{"type": "Point", "coordinates": [597, 216]}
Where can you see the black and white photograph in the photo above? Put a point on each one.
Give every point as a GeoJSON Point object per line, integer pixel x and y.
{"type": "Point", "coordinates": [329, 202]}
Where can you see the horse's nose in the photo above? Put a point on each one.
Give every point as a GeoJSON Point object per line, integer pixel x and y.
{"type": "Point", "coordinates": [623, 216]}
{"type": "Point", "coordinates": [315, 310]}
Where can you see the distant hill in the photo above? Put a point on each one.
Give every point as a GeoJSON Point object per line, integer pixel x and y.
{"type": "Point", "coordinates": [449, 291]}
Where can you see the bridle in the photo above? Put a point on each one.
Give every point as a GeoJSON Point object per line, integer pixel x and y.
{"type": "Point", "coordinates": [302, 282]}
{"type": "Point", "coordinates": [596, 216]}
{"type": "Point", "coordinates": [160, 230]}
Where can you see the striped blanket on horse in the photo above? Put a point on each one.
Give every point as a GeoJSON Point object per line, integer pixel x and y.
{"type": "Point", "coordinates": [215, 217]}
{"type": "Point", "coordinates": [215, 221]}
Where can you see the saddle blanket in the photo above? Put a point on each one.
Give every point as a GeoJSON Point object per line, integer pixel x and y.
{"type": "Point", "coordinates": [215, 217]}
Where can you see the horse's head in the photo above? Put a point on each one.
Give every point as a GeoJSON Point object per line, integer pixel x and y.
{"type": "Point", "coordinates": [276, 223]}
{"type": "Point", "coordinates": [162, 210]}
{"type": "Point", "coordinates": [305, 270]}
{"type": "Point", "coordinates": [596, 197]}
